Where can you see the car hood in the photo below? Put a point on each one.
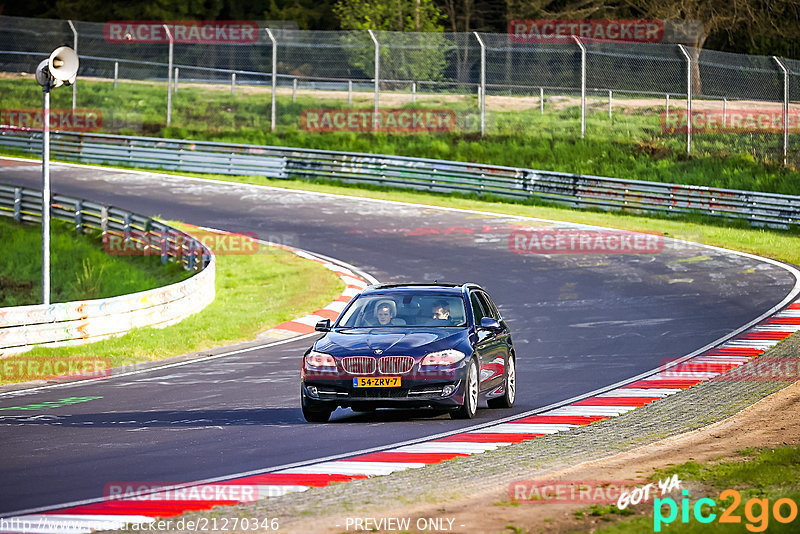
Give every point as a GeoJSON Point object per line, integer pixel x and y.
{"type": "Point", "coordinates": [364, 341]}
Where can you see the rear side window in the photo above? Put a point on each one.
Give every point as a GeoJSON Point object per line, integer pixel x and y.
{"type": "Point", "coordinates": [477, 308]}
{"type": "Point", "coordinates": [488, 306]}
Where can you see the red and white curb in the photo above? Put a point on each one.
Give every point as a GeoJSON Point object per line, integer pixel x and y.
{"type": "Point", "coordinates": [144, 508]}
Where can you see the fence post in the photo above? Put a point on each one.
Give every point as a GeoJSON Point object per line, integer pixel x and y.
{"type": "Point", "coordinates": [724, 111]}
{"type": "Point", "coordinates": [413, 92]}
{"type": "Point", "coordinates": [688, 98]}
{"type": "Point", "coordinates": [233, 83]}
{"type": "Point", "coordinates": [294, 90]}
{"type": "Point", "coordinates": [169, 76]}
{"type": "Point", "coordinates": [274, 76]}
{"type": "Point", "coordinates": [175, 81]}
{"type": "Point", "coordinates": [349, 92]}
{"type": "Point", "coordinates": [377, 78]}
{"type": "Point", "coordinates": [583, 85]}
{"type": "Point", "coordinates": [666, 115]}
{"type": "Point", "coordinates": [116, 73]}
{"type": "Point", "coordinates": [610, 100]}
{"type": "Point", "coordinates": [74, 47]}
{"type": "Point", "coordinates": [482, 90]}
{"type": "Point", "coordinates": [541, 100]}
{"type": "Point", "coordinates": [785, 108]}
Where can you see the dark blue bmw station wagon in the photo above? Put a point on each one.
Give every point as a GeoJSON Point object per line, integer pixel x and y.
{"type": "Point", "coordinates": [443, 346]}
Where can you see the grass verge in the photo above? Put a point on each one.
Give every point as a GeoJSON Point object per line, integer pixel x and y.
{"type": "Point", "coordinates": [631, 144]}
{"type": "Point", "coordinates": [79, 269]}
{"type": "Point", "coordinates": [253, 293]}
{"type": "Point", "coordinates": [760, 479]}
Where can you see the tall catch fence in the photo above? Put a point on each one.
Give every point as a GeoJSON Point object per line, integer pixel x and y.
{"type": "Point", "coordinates": [466, 83]}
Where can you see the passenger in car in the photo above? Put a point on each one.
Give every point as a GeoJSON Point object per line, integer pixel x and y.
{"type": "Point", "coordinates": [440, 311]}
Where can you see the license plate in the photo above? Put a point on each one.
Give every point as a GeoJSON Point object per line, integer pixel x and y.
{"type": "Point", "coordinates": [376, 382]}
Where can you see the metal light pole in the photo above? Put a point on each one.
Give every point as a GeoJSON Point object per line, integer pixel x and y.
{"type": "Point", "coordinates": [75, 48]}
{"type": "Point", "coordinates": [482, 89]}
{"type": "Point", "coordinates": [377, 79]}
{"type": "Point", "coordinates": [169, 74]}
{"type": "Point", "coordinates": [61, 68]}
{"type": "Point", "coordinates": [272, 115]}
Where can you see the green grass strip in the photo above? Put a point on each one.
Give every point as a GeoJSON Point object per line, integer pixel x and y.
{"type": "Point", "coordinates": [254, 292]}
{"type": "Point", "coordinates": [79, 268]}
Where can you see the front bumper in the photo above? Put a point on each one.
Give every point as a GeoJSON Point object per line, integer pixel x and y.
{"type": "Point", "coordinates": [444, 394]}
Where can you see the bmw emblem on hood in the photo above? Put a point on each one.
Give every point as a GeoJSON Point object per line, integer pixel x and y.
{"type": "Point", "coordinates": [378, 351]}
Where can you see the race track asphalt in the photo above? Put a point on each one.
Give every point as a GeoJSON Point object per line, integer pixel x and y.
{"type": "Point", "coordinates": [579, 322]}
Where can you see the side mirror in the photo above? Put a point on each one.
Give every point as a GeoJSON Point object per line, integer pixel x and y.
{"type": "Point", "coordinates": [489, 323]}
{"type": "Point", "coordinates": [323, 326]}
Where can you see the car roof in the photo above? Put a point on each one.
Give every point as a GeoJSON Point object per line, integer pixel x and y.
{"type": "Point", "coordinates": [437, 287]}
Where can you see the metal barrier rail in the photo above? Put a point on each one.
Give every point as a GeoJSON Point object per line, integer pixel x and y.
{"type": "Point", "coordinates": [441, 176]}
{"type": "Point", "coordinates": [22, 327]}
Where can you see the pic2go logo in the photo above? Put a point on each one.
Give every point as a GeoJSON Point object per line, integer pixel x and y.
{"type": "Point", "coordinates": [756, 511]}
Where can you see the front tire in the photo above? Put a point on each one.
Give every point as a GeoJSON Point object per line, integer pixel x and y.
{"type": "Point", "coordinates": [470, 406]}
{"type": "Point", "coordinates": [510, 393]}
{"type": "Point", "coordinates": [314, 412]}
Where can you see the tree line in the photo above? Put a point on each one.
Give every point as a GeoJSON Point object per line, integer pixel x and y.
{"type": "Point", "coordinates": [766, 27]}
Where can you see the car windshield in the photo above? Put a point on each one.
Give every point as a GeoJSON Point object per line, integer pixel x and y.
{"type": "Point", "coordinates": [405, 309]}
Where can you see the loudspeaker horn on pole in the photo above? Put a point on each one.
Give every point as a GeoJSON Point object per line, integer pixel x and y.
{"type": "Point", "coordinates": [61, 68]}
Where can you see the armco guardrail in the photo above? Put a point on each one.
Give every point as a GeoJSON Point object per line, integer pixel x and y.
{"type": "Point", "coordinates": [23, 327]}
{"type": "Point", "coordinates": [574, 190]}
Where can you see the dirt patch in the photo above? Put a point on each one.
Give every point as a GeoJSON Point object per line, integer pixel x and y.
{"type": "Point", "coordinates": [769, 423]}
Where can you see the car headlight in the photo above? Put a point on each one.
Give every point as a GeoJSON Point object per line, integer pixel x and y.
{"type": "Point", "coordinates": [443, 357]}
{"type": "Point", "coordinates": [319, 361]}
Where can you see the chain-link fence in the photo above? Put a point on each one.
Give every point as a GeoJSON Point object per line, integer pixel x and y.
{"type": "Point", "coordinates": [465, 83]}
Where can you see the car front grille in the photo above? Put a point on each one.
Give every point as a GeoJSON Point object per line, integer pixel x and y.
{"type": "Point", "coordinates": [391, 365]}
{"type": "Point", "coordinates": [359, 365]}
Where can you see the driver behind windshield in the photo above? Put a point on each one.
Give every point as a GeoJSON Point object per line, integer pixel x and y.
{"type": "Point", "coordinates": [385, 314]}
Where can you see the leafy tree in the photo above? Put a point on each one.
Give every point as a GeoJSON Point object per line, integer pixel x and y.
{"type": "Point", "coordinates": [403, 56]}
